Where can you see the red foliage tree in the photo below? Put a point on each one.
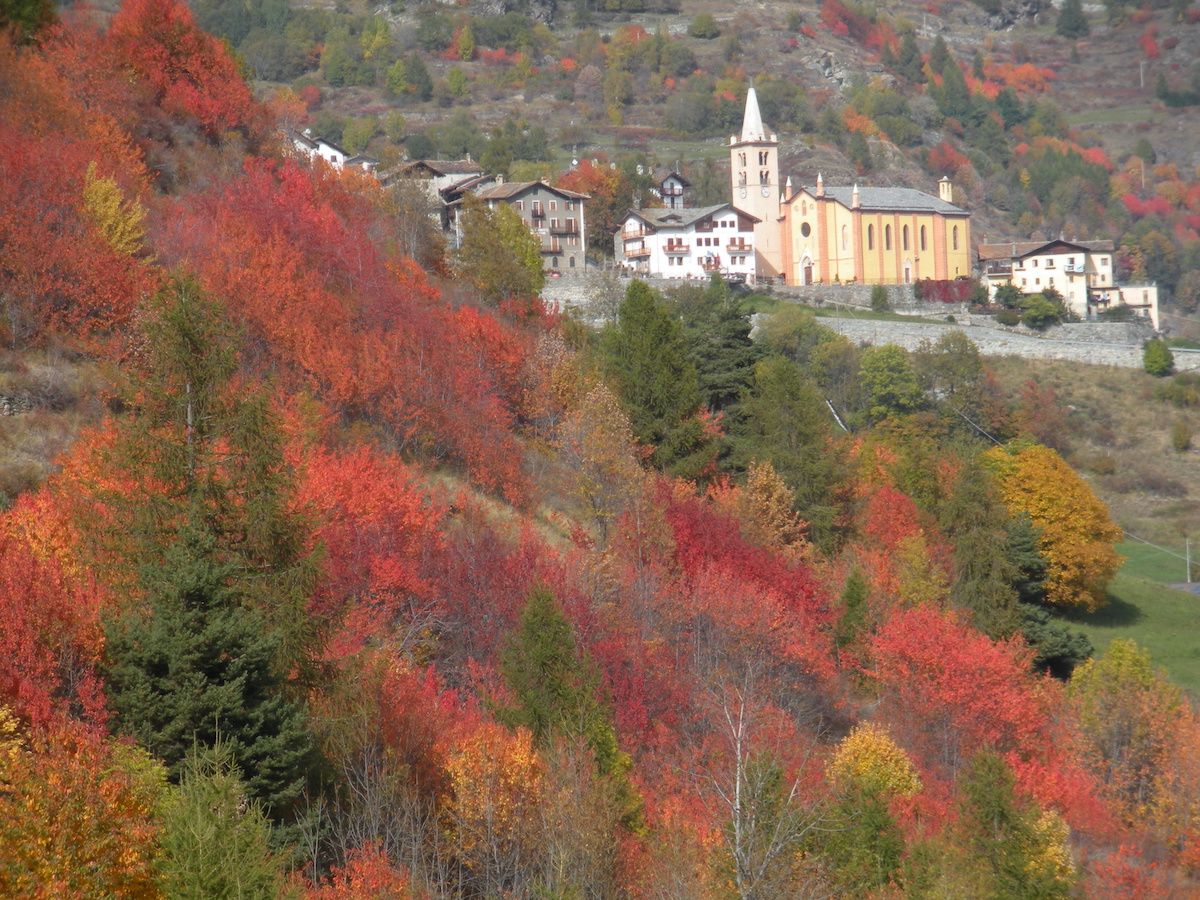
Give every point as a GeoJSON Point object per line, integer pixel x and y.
{"type": "Point", "coordinates": [183, 71]}
{"type": "Point", "coordinates": [948, 691]}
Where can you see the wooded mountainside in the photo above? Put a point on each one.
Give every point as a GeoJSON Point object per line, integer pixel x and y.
{"type": "Point", "coordinates": [355, 576]}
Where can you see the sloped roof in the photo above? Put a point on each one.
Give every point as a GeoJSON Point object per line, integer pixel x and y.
{"type": "Point", "coordinates": [682, 218]}
{"type": "Point", "coordinates": [447, 167]}
{"type": "Point", "coordinates": [1023, 249]}
{"type": "Point", "coordinates": [511, 189]}
{"type": "Point", "coordinates": [890, 199]}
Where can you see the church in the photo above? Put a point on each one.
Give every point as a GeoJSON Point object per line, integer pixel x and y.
{"type": "Point", "coordinates": [840, 235]}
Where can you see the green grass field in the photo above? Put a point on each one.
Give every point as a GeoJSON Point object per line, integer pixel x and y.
{"type": "Point", "coordinates": [1141, 607]}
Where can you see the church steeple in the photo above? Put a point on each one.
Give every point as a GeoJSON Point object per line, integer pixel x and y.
{"type": "Point", "coordinates": [752, 123]}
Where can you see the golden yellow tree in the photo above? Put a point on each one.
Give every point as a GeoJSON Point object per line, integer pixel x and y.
{"type": "Point", "coordinates": [1077, 536]}
{"type": "Point", "coordinates": [868, 760]}
{"type": "Point", "coordinates": [121, 222]}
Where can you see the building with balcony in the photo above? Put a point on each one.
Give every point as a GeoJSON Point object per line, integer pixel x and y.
{"type": "Point", "coordinates": [555, 215]}
{"type": "Point", "coordinates": [670, 189]}
{"type": "Point", "coordinates": [1082, 271]}
{"type": "Point", "coordinates": [446, 182]}
{"type": "Point", "coordinates": [688, 243]}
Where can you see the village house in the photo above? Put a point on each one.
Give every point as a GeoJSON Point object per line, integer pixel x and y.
{"type": "Point", "coordinates": [305, 144]}
{"type": "Point", "coordinates": [1082, 271]}
{"type": "Point", "coordinates": [555, 215]}
{"type": "Point", "coordinates": [688, 243]}
{"type": "Point", "coordinates": [446, 182]}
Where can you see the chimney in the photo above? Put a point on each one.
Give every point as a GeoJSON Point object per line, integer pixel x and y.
{"type": "Point", "coordinates": [854, 204]}
{"type": "Point", "coordinates": [946, 190]}
{"type": "Point", "coordinates": [499, 179]}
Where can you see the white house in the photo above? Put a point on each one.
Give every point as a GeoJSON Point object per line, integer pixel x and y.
{"type": "Point", "coordinates": [688, 243]}
{"type": "Point", "coordinates": [1082, 271]}
{"type": "Point", "coordinates": [304, 144]}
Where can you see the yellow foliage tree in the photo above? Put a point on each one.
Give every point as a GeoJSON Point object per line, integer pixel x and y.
{"type": "Point", "coordinates": [1077, 536]}
{"type": "Point", "coordinates": [869, 761]}
{"type": "Point", "coordinates": [121, 222]}
{"type": "Point", "coordinates": [495, 811]}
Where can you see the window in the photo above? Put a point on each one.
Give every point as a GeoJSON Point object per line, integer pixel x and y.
{"type": "Point", "coordinates": [520, 205]}
{"type": "Point", "coordinates": [741, 159]}
{"type": "Point", "coordinates": [571, 264]}
{"type": "Point", "coordinates": [805, 230]}
{"type": "Point", "coordinates": [804, 207]}
{"type": "Point", "coordinates": [1104, 262]}
{"type": "Point", "coordinates": [569, 206]}
{"type": "Point", "coordinates": [904, 237]}
{"type": "Point", "coordinates": [553, 222]}
{"type": "Point", "coordinates": [1024, 283]}
{"type": "Point", "coordinates": [845, 238]}
{"type": "Point", "coordinates": [887, 237]}
{"type": "Point", "coordinates": [554, 262]}
{"type": "Point", "coordinates": [922, 237]}
{"type": "Point", "coordinates": [1033, 263]}
{"type": "Point", "coordinates": [870, 237]}
{"type": "Point", "coordinates": [763, 157]}
{"type": "Point", "coordinates": [764, 177]}
{"type": "Point", "coordinates": [955, 247]}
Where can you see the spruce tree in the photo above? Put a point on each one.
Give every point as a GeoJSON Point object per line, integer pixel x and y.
{"type": "Point", "coordinates": [194, 667]}
{"type": "Point", "coordinates": [1072, 23]}
{"type": "Point", "coordinates": [647, 357]}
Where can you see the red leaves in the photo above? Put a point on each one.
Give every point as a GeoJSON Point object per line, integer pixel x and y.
{"type": "Point", "coordinates": [299, 259]}
{"type": "Point", "coordinates": [49, 634]}
{"type": "Point", "coordinates": [948, 691]}
{"type": "Point", "coordinates": [184, 71]}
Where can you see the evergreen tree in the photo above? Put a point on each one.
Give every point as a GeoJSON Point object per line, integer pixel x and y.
{"type": "Point", "coordinates": [785, 421]}
{"type": "Point", "coordinates": [1011, 849]}
{"type": "Point", "coordinates": [910, 64]}
{"type": "Point", "coordinates": [939, 55]}
{"type": "Point", "coordinates": [556, 687]}
{"type": "Point", "coordinates": [417, 77]}
{"type": "Point", "coordinates": [216, 840]}
{"type": "Point", "coordinates": [717, 330]}
{"type": "Point", "coordinates": [1072, 23]}
{"type": "Point", "coordinates": [647, 357]}
{"type": "Point", "coordinates": [194, 668]}
{"type": "Point", "coordinates": [859, 152]}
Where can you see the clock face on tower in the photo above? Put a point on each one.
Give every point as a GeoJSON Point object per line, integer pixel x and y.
{"type": "Point", "coordinates": [766, 192]}
{"type": "Point", "coordinates": [742, 192]}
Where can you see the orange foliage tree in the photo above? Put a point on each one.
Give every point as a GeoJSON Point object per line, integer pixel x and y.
{"type": "Point", "coordinates": [1077, 536]}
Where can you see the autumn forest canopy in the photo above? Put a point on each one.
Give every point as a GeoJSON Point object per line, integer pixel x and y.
{"type": "Point", "coordinates": [361, 573]}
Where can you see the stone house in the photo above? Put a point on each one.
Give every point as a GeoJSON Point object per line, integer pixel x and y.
{"type": "Point", "coordinates": [555, 215]}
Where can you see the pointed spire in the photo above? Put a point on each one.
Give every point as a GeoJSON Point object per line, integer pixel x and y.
{"type": "Point", "coordinates": [820, 185]}
{"type": "Point", "coordinates": [854, 197]}
{"type": "Point", "coordinates": [752, 123]}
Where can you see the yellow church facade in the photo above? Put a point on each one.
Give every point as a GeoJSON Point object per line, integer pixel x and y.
{"type": "Point", "coordinates": [873, 235]}
{"type": "Point", "coordinates": [828, 235]}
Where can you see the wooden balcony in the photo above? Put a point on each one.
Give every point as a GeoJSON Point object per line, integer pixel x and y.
{"type": "Point", "coordinates": [677, 248]}
{"type": "Point", "coordinates": [635, 235]}
{"type": "Point", "coordinates": [710, 263]}
{"type": "Point", "coordinates": [538, 211]}
{"type": "Point", "coordinates": [999, 268]}
{"type": "Point", "coordinates": [636, 252]}
{"type": "Point", "coordinates": [565, 226]}
{"type": "Point", "coordinates": [739, 247]}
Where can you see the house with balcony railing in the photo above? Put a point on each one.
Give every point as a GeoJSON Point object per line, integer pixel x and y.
{"type": "Point", "coordinates": [688, 243]}
{"type": "Point", "coordinates": [555, 215]}
{"type": "Point", "coordinates": [1082, 271]}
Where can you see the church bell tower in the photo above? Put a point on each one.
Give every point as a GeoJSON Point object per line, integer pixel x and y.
{"type": "Point", "coordinates": [755, 186]}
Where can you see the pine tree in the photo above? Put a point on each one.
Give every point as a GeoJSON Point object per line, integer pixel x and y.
{"type": "Point", "coordinates": [647, 357]}
{"type": "Point", "coordinates": [1072, 23]}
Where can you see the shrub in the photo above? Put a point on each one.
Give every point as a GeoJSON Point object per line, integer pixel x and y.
{"type": "Point", "coordinates": [1157, 358]}
{"type": "Point", "coordinates": [879, 299]}
{"type": "Point", "coordinates": [1181, 436]}
{"type": "Point", "coordinates": [1008, 317]}
{"type": "Point", "coordinates": [704, 26]}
